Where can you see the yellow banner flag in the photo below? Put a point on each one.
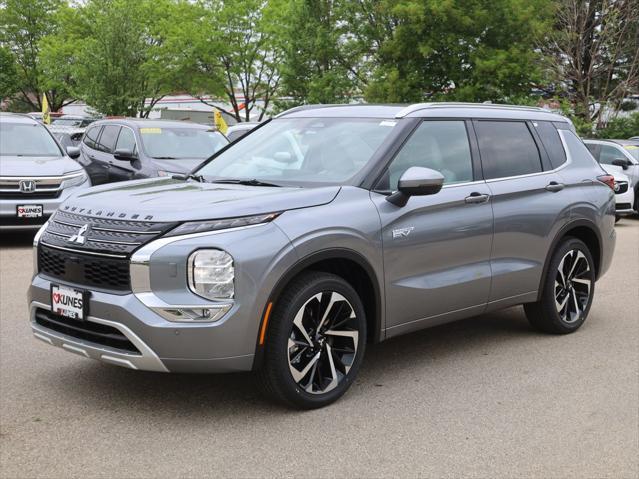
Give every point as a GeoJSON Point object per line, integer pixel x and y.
{"type": "Point", "coordinates": [46, 112]}
{"type": "Point", "coordinates": [219, 121]}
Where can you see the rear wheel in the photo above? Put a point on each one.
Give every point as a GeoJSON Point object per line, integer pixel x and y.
{"type": "Point", "coordinates": [316, 341]}
{"type": "Point", "coordinates": [567, 291]}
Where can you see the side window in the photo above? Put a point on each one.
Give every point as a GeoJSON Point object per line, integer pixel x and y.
{"type": "Point", "coordinates": [91, 137]}
{"type": "Point", "coordinates": [507, 148]}
{"type": "Point", "coordinates": [126, 140]}
{"type": "Point", "coordinates": [552, 143]}
{"type": "Point", "coordinates": [439, 145]}
{"type": "Point", "coordinates": [594, 150]}
{"type": "Point", "coordinates": [108, 138]}
{"type": "Point", "coordinates": [609, 154]}
{"type": "Point", "coordinates": [579, 154]}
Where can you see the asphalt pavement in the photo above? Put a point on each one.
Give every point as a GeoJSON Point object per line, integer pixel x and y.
{"type": "Point", "coordinates": [486, 397]}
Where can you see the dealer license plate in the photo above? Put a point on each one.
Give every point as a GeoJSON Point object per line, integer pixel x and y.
{"type": "Point", "coordinates": [29, 211]}
{"type": "Point", "coordinates": [68, 302]}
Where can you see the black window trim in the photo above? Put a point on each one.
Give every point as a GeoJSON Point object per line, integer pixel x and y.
{"type": "Point", "coordinates": [539, 151]}
{"type": "Point", "coordinates": [97, 138]}
{"type": "Point", "coordinates": [104, 126]}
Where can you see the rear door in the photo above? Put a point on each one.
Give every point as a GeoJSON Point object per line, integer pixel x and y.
{"type": "Point", "coordinates": [437, 247]}
{"type": "Point", "coordinates": [530, 204]}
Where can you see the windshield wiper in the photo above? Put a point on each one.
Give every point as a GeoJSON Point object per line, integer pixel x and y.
{"type": "Point", "coordinates": [164, 157]}
{"type": "Point", "coordinates": [198, 178]}
{"type": "Point", "coordinates": [251, 182]}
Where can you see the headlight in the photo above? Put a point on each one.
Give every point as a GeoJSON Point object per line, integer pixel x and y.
{"type": "Point", "coordinates": [74, 179]}
{"type": "Point", "coordinates": [211, 274]}
{"type": "Point", "coordinates": [202, 226]}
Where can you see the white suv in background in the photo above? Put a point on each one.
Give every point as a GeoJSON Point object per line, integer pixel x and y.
{"type": "Point", "coordinates": [619, 156]}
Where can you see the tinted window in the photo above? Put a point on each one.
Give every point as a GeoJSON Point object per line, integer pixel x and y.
{"type": "Point", "coordinates": [108, 138]}
{"type": "Point", "coordinates": [594, 150]}
{"type": "Point", "coordinates": [609, 153]}
{"type": "Point", "coordinates": [439, 145]}
{"type": "Point", "coordinates": [579, 154]}
{"type": "Point", "coordinates": [507, 149]}
{"type": "Point", "coordinates": [91, 137]}
{"type": "Point", "coordinates": [126, 140]}
{"type": "Point", "coordinates": [550, 138]}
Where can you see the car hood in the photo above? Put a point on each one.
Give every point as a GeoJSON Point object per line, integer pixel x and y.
{"type": "Point", "coordinates": [26, 166]}
{"type": "Point", "coordinates": [167, 199]}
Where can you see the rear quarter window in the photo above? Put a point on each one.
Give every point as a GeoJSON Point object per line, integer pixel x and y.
{"type": "Point", "coordinates": [551, 141]}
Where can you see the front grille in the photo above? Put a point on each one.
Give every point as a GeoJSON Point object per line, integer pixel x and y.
{"type": "Point", "coordinates": [101, 235]}
{"type": "Point", "coordinates": [13, 195]}
{"type": "Point", "coordinates": [86, 330]}
{"type": "Point", "coordinates": [103, 273]}
{"type": "Point", "coordinates": [623, 206]}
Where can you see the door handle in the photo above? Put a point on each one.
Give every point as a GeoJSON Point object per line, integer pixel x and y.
{"type": "Point", "coordinates": [476, 197]}
{"type": "Point", "coordinates": [555, 187]}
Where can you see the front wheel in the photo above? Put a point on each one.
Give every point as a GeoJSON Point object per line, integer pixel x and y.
{"type": "Point", "coordinates": [316, 341]}
{"type": "Point", "coordinates": [567, 290]}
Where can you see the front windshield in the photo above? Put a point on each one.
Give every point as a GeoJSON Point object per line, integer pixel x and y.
{"type": "Point", "coordinates": [313, 150]}
{"type": "Point", "coordinates": [633, 150]}
{"type": "Point", "coordinates": [180, 143]}
{"type": "Point", "coordinates": [24, 139]}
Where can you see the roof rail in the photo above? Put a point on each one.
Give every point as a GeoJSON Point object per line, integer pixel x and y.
{"type": "Point", "coordinates": [314, 107]}
{"type": "Point", "coordinates": [425, 106]}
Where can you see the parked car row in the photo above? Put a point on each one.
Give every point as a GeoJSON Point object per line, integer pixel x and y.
{"type": "Point", "coordinates": [37, 172]}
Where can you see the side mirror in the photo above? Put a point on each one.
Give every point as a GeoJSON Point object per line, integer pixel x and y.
{"type": "Point", "coordinates": [416, 181]}
{"type": "Point", "coordinates": [622, 162]}
{"type": "Point", "coordinates": [73, 152]}
{"type": "Point", "coordinates": [124, 154]}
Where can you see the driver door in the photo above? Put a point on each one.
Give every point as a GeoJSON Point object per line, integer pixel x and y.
{"type": "Point", "coordinates": [436, 247]}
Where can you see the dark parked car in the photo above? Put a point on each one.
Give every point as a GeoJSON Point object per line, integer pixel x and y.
{"type": "Point", "coordinates": [127, 149]}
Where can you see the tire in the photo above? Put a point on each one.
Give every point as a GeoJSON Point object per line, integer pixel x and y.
{"type": "Point", "coordinates": [563, 308]}
{"type": "Point", "coordinates": [325, 366]}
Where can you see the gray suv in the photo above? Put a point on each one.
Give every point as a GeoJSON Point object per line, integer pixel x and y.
{"type": "Point", "coordinates": [36, 175]}
{"type": "Point", "coordinates": [322, 230]}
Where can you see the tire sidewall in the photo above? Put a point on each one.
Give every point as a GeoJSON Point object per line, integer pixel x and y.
{"type": "Point", "coordinates": [549, 290]}
{"type": "Point", "coordinates": [278, 342]}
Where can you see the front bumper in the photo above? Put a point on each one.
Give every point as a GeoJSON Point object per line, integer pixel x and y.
{"type": "Point", "coordinates": [8, 208]}
{"type": "Point", "coordinates": [226, 345]}
{"type": "Point", "coordinates": [624, 203]}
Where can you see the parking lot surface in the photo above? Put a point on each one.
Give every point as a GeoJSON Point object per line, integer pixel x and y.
{"type": "Point", "coordinates": [484, 397]}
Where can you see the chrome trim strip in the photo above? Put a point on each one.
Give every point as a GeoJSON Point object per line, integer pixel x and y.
{"type": "Point", "coordinates": [126, 243]}
{"type": "Point", "coordinates": [427, 106]}
{"type": "Point", "coordinates": [147, 360]}
{"type": "Point", "coordinates": [97, 228]}
{"type": "Point", "coordinates": [42, 179]}
{"type": "Point", "coordinates": [90, 253]}
{"type": "Point", "coordinates": [157, 305]}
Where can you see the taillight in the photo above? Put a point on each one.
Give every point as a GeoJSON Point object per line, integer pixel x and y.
{"type": "Point", "coordinates": [608, 180]}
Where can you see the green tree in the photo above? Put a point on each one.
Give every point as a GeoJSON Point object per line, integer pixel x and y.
{"type": "Point", "coordinates": [119, 54]}
{"type": "Point", "coordinates": [475, 50]}
{"type": "Point", "coordinates": [8, 75]}
{"type": "Point", "coordinates": [317, 66]}
{"type": "Point", "coordinates": [236, 54]}
{"type": "Point", "coordinates": [23, 25]}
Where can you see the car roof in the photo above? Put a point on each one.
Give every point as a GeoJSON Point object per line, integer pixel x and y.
{"type": "Point", "coordinates": [146, 123]}
{"type": "Point", "coordinates": [617, 142]}
{"type": "Point", "coordinates": [17, 118]}
{"type": "Point", "coordinates": [425, 110]}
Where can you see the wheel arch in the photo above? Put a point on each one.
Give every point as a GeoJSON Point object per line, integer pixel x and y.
{"type": "Point", "coordinates": [583, 230]}
{"type": "Point", "coordinates": [346, 263]}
